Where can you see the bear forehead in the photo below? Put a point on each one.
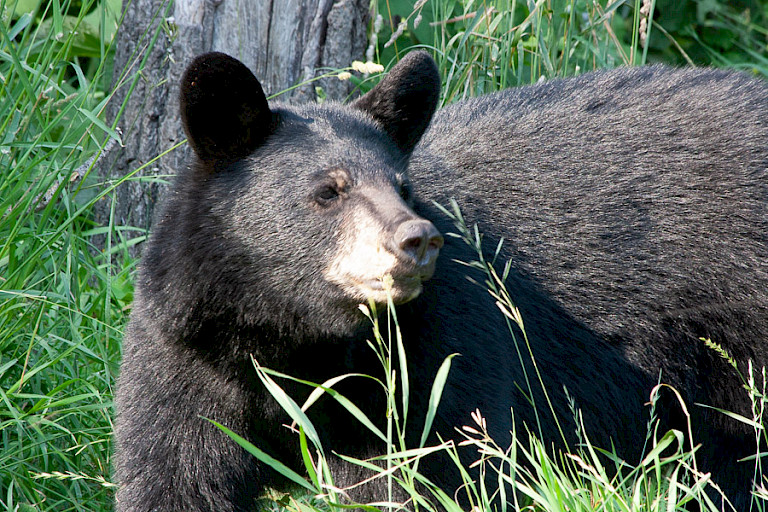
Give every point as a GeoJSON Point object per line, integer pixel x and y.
{"type": "Point", "coordinates": [312, 142]}
{"type": "Point", "coordinates": [336, 124]}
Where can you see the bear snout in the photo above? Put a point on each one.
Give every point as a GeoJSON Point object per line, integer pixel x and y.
{"type": "Point", "coordinates": [374, 261]}
{"type": "Point", "coordinates": [419, 240]}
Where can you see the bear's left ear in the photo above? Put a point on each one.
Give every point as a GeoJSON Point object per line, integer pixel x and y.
{"type": "Point", "coordinates": [223, 108]}
{"type": "Point", "coordinates": [404, 101]}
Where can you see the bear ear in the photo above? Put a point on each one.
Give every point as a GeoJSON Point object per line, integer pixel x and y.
{"type": "Point", "coordinates": [404, 101]}
{"type": "Point", "coordinates": [223, 108]}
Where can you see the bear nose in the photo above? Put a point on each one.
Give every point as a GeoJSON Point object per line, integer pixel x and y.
{"type": "Point", "coordinates": [420, 240]}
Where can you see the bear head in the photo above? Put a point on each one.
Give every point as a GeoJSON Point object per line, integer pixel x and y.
{"type": "Point", "coordinates": [291, 216]}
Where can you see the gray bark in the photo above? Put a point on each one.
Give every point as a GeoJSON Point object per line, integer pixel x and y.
{"type": "Point", "coordinates": [284, 42]}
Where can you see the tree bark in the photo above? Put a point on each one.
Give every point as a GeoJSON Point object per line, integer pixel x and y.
{"type": "Point", "coordinates": [284, 42]}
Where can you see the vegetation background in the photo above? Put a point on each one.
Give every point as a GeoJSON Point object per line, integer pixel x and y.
{"type": "Point", "coordinates": [64, 298]}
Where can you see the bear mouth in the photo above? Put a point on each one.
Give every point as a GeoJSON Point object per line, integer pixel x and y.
{"type": "Point", "coordinates": [378, 275]}
{"type": "Point", "coordinates": [402, 289]}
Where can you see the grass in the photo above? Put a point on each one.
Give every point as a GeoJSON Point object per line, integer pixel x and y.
{"type": "Point", "coordinates": [64, 302]}
{"type": "Point", "coordinates": [484, 46]}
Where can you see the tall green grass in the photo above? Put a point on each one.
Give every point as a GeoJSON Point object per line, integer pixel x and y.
{"type": "Point", "coordinates": [64, 301]}
{"type": "Point", "coordinates": [483, 46]}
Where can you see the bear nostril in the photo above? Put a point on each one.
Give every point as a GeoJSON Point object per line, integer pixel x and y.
{"type": "Point", "coordinates": [419, 239]}
{"type": "Point", "coordinates": [435, 242]}
{"type": "Point", "coordinates": [412, 245]}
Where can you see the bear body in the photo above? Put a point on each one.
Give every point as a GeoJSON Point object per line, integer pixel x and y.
{"type": "Point", "coordinates": [634, 207]}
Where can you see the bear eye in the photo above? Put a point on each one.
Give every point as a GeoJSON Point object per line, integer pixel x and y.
{"type": "Point", "coordinates": [403, 187]}
{"type": "Point", "coordinates": [405, 192]}
{"type": "Point", "coordinates": [326, 195]}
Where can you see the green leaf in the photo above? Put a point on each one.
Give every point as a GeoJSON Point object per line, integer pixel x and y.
{"type": "Point", "coordinates": [266, 459]}
{"type": "Point", "coordinates": [663, 443]}
{"type": "Point", "coordinates": [434, 397]}
{"type": "Point", "coordinates": [306, 457]}
{"type": "Point", "coordinates": [325, 388]}
{"type": "Point", "coordinates": [101, 124]}
{"type": "Point", "coordinates": [289, 406]}
{"type": "Point", "coordinates": [20, 25]}
{"type": "Point", "coordinates": [738, 417]}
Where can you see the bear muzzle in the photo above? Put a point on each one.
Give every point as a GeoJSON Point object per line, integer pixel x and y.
{"type": "Point", "coordinates": [383, 263]}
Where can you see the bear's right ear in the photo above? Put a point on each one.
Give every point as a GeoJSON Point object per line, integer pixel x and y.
{"type": "Point", "coordinates": [223, 108]}
{"type": "Point", "coordinates": [404, 101]}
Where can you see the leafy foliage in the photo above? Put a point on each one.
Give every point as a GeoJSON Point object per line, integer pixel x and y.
{"type": "Point", "coordinates": [63, 302]}
{"type": "Point", "coordinates": [483, 46]}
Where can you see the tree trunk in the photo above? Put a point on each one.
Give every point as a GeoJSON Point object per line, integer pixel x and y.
{"type": "Point", "coordinates": [284, 42]}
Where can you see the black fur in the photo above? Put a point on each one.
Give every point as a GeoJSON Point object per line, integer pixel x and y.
{"type": "Point", "coordinates": [223, 108]}
{"type": "Point", "coordinates": [633, 204]}
{"type": "Point", "coordinates": [398, 104]}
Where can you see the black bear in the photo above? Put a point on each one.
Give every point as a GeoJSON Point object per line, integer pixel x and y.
{"type": "Point", "coordinates": [634, 208]}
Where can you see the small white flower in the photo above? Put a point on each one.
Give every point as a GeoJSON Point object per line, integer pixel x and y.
{"type": "Point", "coordinates": [373, 67]}
{"type": "Point", "coordinates": [344, 75]}
{"type": "Point", "coordinates": [367, 67]}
